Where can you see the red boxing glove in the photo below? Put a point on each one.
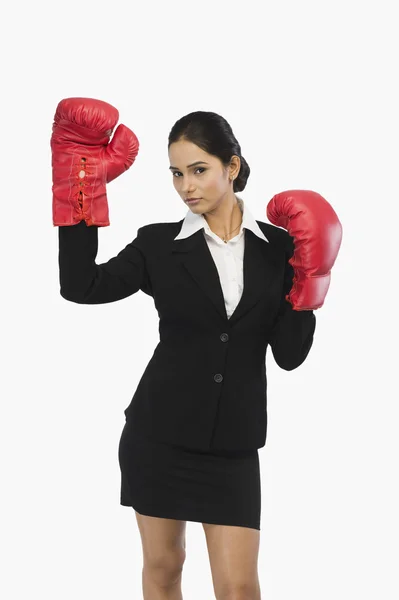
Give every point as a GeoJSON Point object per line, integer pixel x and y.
{"type": "Point", "coordinates": [84, 160]}
{"type": "Point", "coordinates": [317, 232]}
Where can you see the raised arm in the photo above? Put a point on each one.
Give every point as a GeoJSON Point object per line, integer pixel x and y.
{"type": "Point", "coordinates": [84, 160]}
{"type": "Point", "coordinates": [313, 242]}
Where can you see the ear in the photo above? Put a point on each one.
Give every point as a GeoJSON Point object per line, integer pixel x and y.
{"type": "Point", "coordinates": [235, 165]}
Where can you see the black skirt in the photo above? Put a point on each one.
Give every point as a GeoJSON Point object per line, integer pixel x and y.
{"type": "Point", "coordinates": [173, 482]}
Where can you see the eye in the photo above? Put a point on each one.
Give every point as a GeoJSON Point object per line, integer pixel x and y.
{"type": "Point", "coordinates": [197, 169]}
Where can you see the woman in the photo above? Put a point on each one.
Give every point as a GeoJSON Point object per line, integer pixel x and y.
{"type": "Point", "coordinates": [189, 448]}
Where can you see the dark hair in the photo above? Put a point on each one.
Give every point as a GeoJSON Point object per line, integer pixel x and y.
{"type": "Point", "coordinates": [213, 134]}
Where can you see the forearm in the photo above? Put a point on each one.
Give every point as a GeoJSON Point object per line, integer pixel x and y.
{"type": "Point", "coordinates": [78, 247]}
{"type": "Point", "coordinates": [292, 336]}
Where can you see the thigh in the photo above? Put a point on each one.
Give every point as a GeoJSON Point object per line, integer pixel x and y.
{"type": "Point", "coordinates": [233, 555]}
{"type": "Point", "coordinates": [161, 538]}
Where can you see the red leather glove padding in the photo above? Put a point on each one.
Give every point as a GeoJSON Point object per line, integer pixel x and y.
{"type": "Point", "coordinates": [317, 234]}
{"type": "Point", "coordinates": [84, 159]}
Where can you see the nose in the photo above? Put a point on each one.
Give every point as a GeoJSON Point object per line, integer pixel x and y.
{"type": "Point", "coordinates": [187, 187]}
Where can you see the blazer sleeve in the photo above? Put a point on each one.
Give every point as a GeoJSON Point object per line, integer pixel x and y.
{"type": "Point", "coordinates": [291, 337]}
{"type": "Point", "coordinates": [84, 281]}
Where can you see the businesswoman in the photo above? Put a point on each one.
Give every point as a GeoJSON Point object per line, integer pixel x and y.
{"type": "Point", "coordinates": [224, 290]}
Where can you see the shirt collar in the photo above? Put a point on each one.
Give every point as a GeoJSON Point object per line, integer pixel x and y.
{"type": "Point", "coordinates": [192, 223]}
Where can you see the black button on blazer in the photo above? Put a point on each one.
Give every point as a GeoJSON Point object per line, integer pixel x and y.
{"type": "Point", "coordinates": [205, 385]}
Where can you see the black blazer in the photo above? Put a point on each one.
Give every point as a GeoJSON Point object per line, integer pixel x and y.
{"type": "Point", "coordinates": [205, 384]}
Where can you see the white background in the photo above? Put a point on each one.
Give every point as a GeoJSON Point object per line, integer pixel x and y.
{"type": "Point", "coordinates": [310, 91]}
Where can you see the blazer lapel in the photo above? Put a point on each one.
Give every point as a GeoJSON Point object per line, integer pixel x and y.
{"type": "Point", "coordinates": [197, 259]}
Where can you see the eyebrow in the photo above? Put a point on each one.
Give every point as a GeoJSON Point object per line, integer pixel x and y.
{"type": "Point", "coordinates": [199, 162]}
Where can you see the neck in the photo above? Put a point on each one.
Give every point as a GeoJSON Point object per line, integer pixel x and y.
{"type": "Point", "coordinates": [225, 219]}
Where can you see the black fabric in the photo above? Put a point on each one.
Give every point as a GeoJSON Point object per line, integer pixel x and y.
{"type": "Point", "coordinates": [205, 386]}
{"type": "Point", "coordinates": [167, 481]}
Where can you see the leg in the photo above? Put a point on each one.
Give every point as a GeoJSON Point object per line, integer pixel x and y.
{"type": "Point", "coordinates": [164, 553]}
{"type": "Point", "coordinates": [233, 554]}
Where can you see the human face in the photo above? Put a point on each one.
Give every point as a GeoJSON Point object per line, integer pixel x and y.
{"type": "Point", "coordinates": [207, 180]}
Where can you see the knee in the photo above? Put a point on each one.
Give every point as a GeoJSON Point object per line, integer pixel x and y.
{"type": "Point", "coordinates": [166, 568]}
{"type": "Point", "coordinates": [241, 591]}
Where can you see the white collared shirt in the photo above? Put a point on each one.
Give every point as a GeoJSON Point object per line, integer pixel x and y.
{"type": "Point", "coordinates": [228, 257]}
